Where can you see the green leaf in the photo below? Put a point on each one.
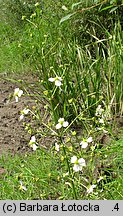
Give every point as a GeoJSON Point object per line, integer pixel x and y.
{"type": "Point", "coordinates": [66, 17]}
{"type": "Point", "coordinates": [106, 8]}
{"type": "Point", "coordinates": [113, 9]}
{"type": "Point", "coordinates": [76, 4]}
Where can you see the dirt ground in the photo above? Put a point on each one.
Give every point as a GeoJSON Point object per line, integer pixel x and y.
{"type": "Point", "coordinates": [12, 134]}
{"type": "Point", "coordinates": [13, 137]}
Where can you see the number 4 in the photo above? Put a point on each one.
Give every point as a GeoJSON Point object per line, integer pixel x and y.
{"type": "Point", "coordinates": [116, 207]}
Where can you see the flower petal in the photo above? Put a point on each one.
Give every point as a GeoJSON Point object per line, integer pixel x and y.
{"type": "Point", "coordinates": [34, 147]}
{"type": "Point", "coordinates": [58, 126]}
{"type": "Point", "coordinates": [24, 188]}
{"type": "Point", "coordinates": [20, 93]}
{"type": "Point", "coordinates": [101, 121]}
{"type": "Point", "coordinates": [77, 168]}
{"type": "Point", "coordinates": [64, 8]}
{"type": "Point", "coordinates": [61, 120]}
{"type": "Point", "coordinates": [90, 189]}
{"type": "Point", "coordinates": [57, 147]}
{"type": "Point", "coordinates": [51, 79]}
{"type": "Point", "coordinates": [73, 159]}
{"type": "Point", "coordinates": [58, 83]}
{"type": "Point", "coordinates": [65, 124]}
{"type": "Point", "coordinates": [59, 78]}
{"type": "Point", "coordinates": [25, 111]}
{"type": "Point", "coordinates": [21, 117]}
{"type": "Point", "coordinates": [33, 139]}
{"type": "Point", "coordinates": [89, 140]}
{"type": "Point", "coordinates": [84, 144]}
{"type": "Point", "coordinates": [81, 162]}
{"type": "Point", "coordinates": [16, 98]}
{"type": "Point", "coordinates": [16, 91]}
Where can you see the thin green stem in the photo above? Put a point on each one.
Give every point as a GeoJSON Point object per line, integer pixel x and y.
{"type": "Point", "coordinates": [68, 166]}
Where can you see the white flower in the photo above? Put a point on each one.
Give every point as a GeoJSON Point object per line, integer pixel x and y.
{"type": "Point", "coordinates": [57, 80]}
{"type": "Point", "coordinates": [77, 168]}
{"type": "Point", "coordinates": [89, 140]}
{"type": "Point", "coordinates": [23, 112]}
{"type": "Point", "coordinates": [101, 128]}
{"type": "Point", "coordinates": [64, 8]}
{"type": "Point", "coordinates": [22, 187]}
{"type": "Point", "coordinates": [32, 143]}
{"type": "Point", "coordinates": [17, 93]}
{"type": "Point", "coordinates": [85, 142]}
{"type": "Point", "coordinates": [34, 147]}
{"type": "Point", "coordinates": [101, 120]}
{"type": "Point", "coordinates": [101, 178]}
{"type": "Point", "coordinates": [78, 163]}
{"type": "Point", "coordinates": [57, 147]}
{"type": "Point", "coordinates": [73, 159]}
{"type": "Point", "coordinates": [65, 174]}
{"type": "Point", "coordinates": [21, 117]}
{"type": "Point", "coordinates": [81, 162]}
{"type": "Point", "coordinates": [99, 111]}
{"type": "Point", "coordinates": [90, 189]}
{"type": "Point", "coordinates": [61, 123]}
{"type": "Point", "coordinates": [37, 4]}
{"type": "Point", "coordinates": [105, 131]}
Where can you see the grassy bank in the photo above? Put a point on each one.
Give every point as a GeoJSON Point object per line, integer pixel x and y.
{"type": "Point", "coordinates": [41, 171]}
{"type": "Point", "coordinates": [78, 63]}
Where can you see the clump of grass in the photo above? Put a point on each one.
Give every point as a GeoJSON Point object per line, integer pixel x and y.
{"type": "Point", "coordinates": [38, 174]}
{"type": "Point", "coordinates": [35, 175]}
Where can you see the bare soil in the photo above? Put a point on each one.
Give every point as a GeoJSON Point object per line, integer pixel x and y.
{"type": "Point", "coordinates": [12, 134]}
{"type": "Point", "coordinates": [13, 137]}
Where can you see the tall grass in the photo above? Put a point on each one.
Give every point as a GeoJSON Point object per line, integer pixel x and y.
{"type": "Point", "coordinates": [86, 55]}
{"type": "Point", "coordinates": [41, 171]}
